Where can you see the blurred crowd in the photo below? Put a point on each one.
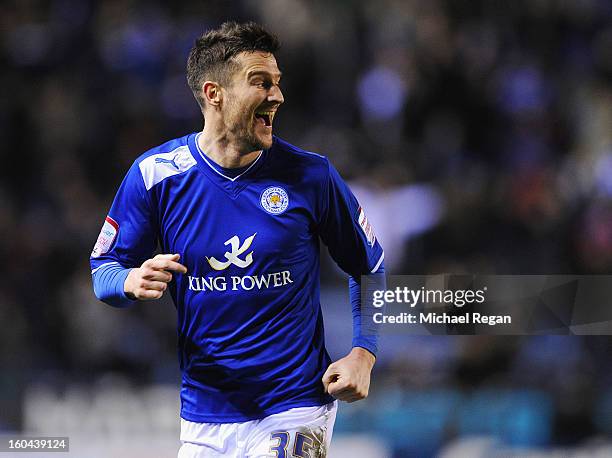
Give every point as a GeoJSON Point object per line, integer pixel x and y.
{"type": "Point", "coordinates": [477, 135]}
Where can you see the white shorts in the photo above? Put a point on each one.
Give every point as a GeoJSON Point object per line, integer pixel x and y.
{"type": "Point", "coordinates": [299, 432]}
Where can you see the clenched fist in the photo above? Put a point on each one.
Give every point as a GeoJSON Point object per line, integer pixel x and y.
{"type": "Point", "coordinates": [348, 379]}
{"type": "Point", "coordinates": [150, 280]}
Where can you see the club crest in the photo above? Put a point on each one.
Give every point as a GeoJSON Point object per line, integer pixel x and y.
{"type": "Point", "coordinates": [274, 200]}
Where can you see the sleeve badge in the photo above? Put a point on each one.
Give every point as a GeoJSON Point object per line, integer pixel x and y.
{"type": "Point", "coordinates": [107, 236]}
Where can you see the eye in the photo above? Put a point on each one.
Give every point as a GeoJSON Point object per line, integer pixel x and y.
{"type": "Point", "coordinates": [263, 83]}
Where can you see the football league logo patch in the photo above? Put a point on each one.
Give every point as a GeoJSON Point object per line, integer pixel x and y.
{"type": "Point", "coordinates": [106, 238]}
{"type": "Point", "coordinates": [274, 200]}
{"type": "Point", "coordinates": [366, 227]}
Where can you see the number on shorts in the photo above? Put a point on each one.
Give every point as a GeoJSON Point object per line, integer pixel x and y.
{"type": "Point", "coordinates": [302, 445]}
{"type": "Point", "coordinates": [281, 448]}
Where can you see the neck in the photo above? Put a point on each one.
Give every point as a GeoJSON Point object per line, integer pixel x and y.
{"type": "Point", "coordinates": [224, 151]}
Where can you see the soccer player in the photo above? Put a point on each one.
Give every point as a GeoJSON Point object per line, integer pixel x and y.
{"type": "Point", "coordinates": [238, 214]}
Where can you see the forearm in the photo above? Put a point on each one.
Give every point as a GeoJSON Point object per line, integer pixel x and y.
{"type": "Point", "coordinates": [365, 335]}
{"type": "Point", "coordinates": [108, 284]}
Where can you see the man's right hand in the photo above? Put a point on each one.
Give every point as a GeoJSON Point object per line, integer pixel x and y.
{"type": "Point", "coordinates": [150, 280]}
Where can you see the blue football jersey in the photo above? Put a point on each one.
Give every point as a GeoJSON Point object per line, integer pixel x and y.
{"type": "Point", "coordinates": [250, 327]}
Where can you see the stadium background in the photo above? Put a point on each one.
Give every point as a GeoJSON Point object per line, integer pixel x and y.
{"type": "Point", "coordinates": [477, 135]}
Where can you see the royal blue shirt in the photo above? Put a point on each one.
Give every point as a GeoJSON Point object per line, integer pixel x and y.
{"type": "Point", "coordinates": [250, 327]}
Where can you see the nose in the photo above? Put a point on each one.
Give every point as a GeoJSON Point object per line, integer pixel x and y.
{"type": "Point", "coordinates": [276, 95]}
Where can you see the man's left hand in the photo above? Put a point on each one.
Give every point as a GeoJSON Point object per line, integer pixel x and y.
{"type": "Point", "coordinates": [348, 379]}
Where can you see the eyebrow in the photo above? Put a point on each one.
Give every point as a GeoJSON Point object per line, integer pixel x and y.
{"type": "Point", "coordinates": [263, 72]}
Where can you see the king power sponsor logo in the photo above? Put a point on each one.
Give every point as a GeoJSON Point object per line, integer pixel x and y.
{"type": "Point", "coordinates": [243, 283]}
{"type": "Point", "coordinates": [238, 282]}
{"type": "Point", "coordinates": [232, 257]}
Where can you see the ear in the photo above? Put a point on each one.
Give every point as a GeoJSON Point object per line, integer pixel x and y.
{"type": "Point", "coordinates": [211, 92]}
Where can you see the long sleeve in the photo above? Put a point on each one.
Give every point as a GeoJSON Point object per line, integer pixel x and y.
{"type": "Point", "coordinates": [108, 281]}
{"type": "Point", "coordinates": [128, 237]}
{"type": "Point", "coordinates": [364, 335]}
{"type": "Point", "coordinates": [345, 229]}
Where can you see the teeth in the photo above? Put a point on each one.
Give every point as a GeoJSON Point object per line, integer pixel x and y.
{"type": "Point", "coordinates": [270, 114]}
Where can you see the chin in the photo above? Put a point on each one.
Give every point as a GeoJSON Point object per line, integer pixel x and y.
{"type": "Point", "coordinates": [264, 142]}
{"type": "Point", "coordinates": [267, 143]}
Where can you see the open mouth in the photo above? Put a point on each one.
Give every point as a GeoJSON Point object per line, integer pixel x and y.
{"type": "Point", "coordinates": [266, 117]}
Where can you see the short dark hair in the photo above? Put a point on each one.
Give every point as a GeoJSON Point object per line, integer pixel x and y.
{"type": "Point", "coordinates": [212, 56]}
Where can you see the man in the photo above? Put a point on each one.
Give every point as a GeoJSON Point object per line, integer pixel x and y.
{"type": "Point", "coordinates": [238, 214]}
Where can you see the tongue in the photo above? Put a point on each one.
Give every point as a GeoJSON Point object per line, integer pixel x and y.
{"type": "Point", "coordinates": [264, 118]}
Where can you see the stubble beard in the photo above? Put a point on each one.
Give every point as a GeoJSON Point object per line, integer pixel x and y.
{"type": "Point", "coordinates": [242, 128]}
